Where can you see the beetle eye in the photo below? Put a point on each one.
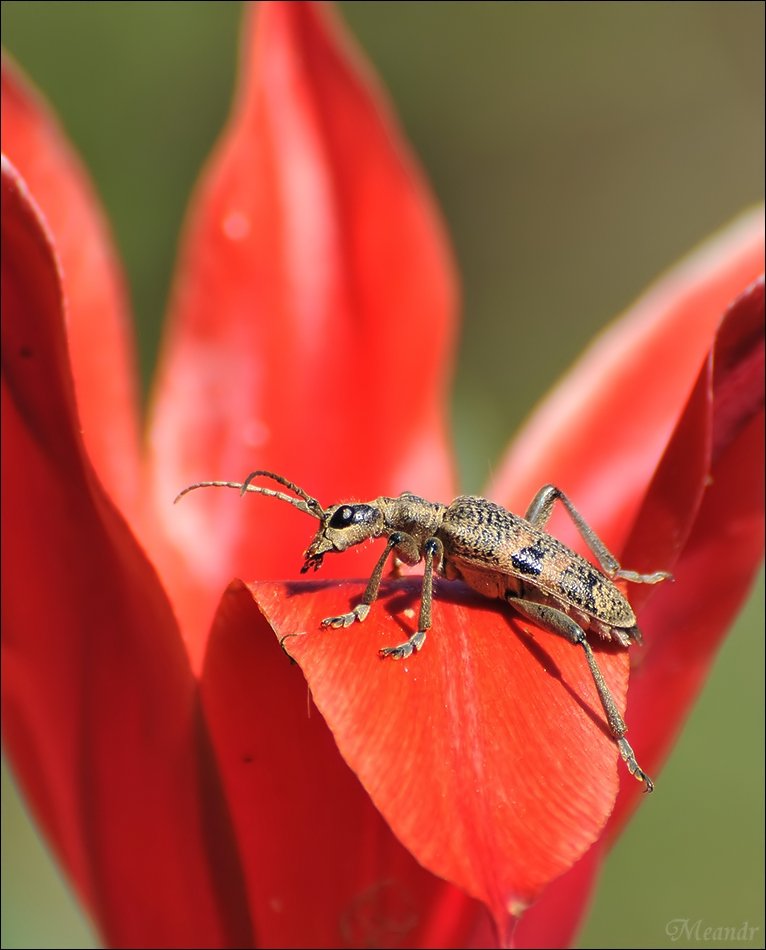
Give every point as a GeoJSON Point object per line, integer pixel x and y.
{"type": "Point", "coordinates": [342, 518]}
{"type": "Point", "coordinates": [348, 515]}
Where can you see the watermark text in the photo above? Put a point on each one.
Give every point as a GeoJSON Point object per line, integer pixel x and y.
{"type": "Point", "coordinates": [699, 930]}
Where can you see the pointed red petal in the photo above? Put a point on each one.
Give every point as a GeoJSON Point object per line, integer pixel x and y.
{"type": "Point", "coordinates": [486, 752]}
{"type": "Point", "coordinates": [601, 433]}
{"type": "Point", "coordinates": [100, 710]}
{"type": "Point", "coordinates": [323, 868]}
{"type": "Point", "coordinates": [312, 320]}
{"type": "Point", "coordinates": [99, 334]}
{"type": "Point", "coordinates": [704, 506]}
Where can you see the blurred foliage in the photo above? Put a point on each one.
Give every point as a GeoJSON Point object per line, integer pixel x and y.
{"type": "Point", "coordinates": [577, 150]}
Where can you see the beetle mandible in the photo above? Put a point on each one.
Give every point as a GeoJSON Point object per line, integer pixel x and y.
{"type": "Point", "coordinates": [497, 553]}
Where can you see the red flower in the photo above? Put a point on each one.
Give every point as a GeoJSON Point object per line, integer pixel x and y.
{"type": "Point", "coordinates": [187, 792]}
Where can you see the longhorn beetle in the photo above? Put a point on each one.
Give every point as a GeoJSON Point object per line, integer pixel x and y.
{"type": "Point", "coordinates": [492, 550]}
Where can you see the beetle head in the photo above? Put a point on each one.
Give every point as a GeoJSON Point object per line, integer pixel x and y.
{"type": "Point", "coordinates": [343, 526]}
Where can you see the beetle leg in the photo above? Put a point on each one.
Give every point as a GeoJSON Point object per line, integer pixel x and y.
{"type": "Point", "coordinates": [558, 622]}
{"type": "Point", "coordinates": [373, 586]}
{"type": "Point", "coordinates": [539, 512]}
{"type": "Point", "coordinates": [433, 550]}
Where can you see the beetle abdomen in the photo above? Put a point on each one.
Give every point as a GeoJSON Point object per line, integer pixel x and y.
{"type": "Point", "coordinates": [491, 539]}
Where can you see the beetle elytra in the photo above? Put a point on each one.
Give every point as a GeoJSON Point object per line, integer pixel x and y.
{"type": "Point", "coordinates": [497, 553]}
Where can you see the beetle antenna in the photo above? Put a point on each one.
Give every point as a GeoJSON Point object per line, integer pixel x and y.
{"type": "Point", "coordinates": [304, 503]}
{"type": "Point", "coordinates": [312, 503]}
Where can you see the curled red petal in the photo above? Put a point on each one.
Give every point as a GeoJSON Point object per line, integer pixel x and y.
{"type": "Point", "coordinates": [487, 752]}
{"type": "Point", "coordinates": [99, 331]}
{"type": "Point", "coordinates": [313, 315]}
{"type": "Point", "coordinates": [101, 717]}
{"type": "Point", "coordinates": [323, 868]}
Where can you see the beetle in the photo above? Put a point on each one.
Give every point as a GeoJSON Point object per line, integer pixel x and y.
{"type": "Point", "coordinates": [497, 553]}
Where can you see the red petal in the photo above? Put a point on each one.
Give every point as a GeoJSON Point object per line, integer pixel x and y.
{"type": "Point", "coordinates": [720, 539]}
{"type": "Point", "coordinates": [312, 320]}
{"type": "Point", "coordinates": [100, 710]}
{"type": "Point", "coordinates": [99, 333]}
{"type": "Point", "coordinates": [323, 868]}
{"type": "Point", "coordinates": [486, 753]}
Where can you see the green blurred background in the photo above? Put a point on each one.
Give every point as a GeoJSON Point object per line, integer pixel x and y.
{"type": "Point", "coordinates": [577, 150]}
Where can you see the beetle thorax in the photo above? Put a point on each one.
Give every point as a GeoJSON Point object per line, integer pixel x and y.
{"type": "Point", "coordinates": [412, 515]}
